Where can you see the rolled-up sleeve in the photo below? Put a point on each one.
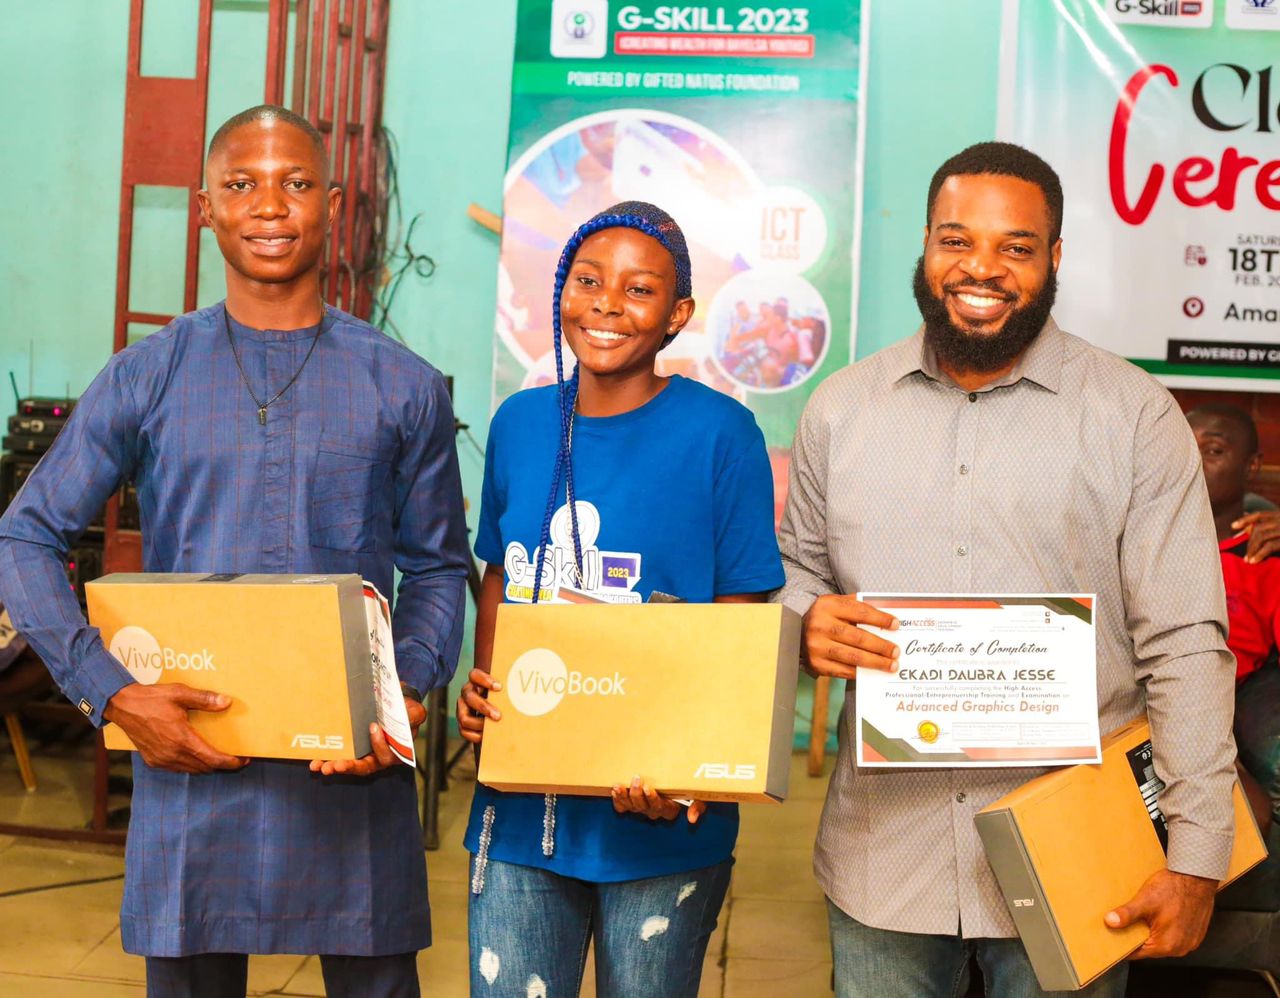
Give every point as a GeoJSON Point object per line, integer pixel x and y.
{"type": "Point", "coordinates": [802, 535]}
{"type": "Point", "coordinates": [1175, 610]}
{"type": "Point", "coordinates": [89, 461]}
{"type": "Point", "coordinates": [431, 546]}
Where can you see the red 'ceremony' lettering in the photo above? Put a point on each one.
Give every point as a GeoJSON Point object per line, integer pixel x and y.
{"type": "Point", "coordinates": [1197, 181]}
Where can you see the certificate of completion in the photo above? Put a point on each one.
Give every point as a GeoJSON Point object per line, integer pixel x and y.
{"type": "Point", "coordinates": [982, 681]}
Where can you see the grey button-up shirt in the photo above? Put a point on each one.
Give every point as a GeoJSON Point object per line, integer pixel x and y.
{"type": "Point", "coordinates": [1075, 473]}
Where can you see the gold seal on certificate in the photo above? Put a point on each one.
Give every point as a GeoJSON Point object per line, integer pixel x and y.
{"type": "Point", "coordinates": [983, 680]}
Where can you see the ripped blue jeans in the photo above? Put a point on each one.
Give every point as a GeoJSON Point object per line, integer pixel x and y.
{"type": "Point", "coordinates": [529, 930]}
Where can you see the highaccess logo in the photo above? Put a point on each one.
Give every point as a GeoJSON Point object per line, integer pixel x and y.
{"type": "Point", "coordinates": [539, 680]}
{"type": "Point", "coordinates": [146, 659]}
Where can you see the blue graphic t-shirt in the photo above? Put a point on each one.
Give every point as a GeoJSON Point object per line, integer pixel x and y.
{"type": "Point", "coordinates": [676, 496]}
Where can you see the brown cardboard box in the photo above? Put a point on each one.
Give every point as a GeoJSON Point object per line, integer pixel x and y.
{"type": "Point", "coordinates": [1069, 846]}
{"type": "Point", "coordinates": [292, 651]}
{"type": "Point", "coordinates": [697, 699]}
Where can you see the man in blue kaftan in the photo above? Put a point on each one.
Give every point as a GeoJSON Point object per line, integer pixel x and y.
{"type": "Point", "coordinates": [350, 468]}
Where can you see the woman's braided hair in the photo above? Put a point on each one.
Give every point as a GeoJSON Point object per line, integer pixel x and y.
{"type": "Point", "coordinates": [652, 221]}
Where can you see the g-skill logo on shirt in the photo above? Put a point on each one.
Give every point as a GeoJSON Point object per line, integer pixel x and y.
{"type": "Point", "coordinates": [146, 659]}
{"type": "Point", "coordinates": [539, 680]}
{"type": "Point", "coordinates": [607, 576]}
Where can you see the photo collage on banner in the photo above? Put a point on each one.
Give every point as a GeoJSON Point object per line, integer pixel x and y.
{"type": "Point", "coordinates": [1162, 119]}
{"type": "Point", "coordinates": [742, 122]}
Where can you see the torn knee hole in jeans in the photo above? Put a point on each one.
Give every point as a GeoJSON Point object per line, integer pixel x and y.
{"type": "Point", "coordinates": [654, 925]}
{"type": "Point", "coordinates": [490, 965]}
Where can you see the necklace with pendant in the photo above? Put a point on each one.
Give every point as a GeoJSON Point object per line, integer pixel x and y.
{"type": "Point", "coordinates": [262, 406]}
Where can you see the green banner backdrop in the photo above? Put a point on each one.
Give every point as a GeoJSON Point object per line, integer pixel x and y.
{"type": "Point", "coordinates": [744, 123]}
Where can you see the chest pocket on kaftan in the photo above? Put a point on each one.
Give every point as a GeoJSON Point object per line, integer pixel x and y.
{"type": "Point", "coordinates": [350, 489]}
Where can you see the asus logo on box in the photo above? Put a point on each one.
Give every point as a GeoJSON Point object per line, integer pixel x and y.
{"type": "Point", "coordinates": [721, 771]}
{"type": "Point", "coordinates": [317, 742]}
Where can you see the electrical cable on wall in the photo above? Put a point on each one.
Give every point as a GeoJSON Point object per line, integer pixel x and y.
{"type": "Point", "coordinates": [465, 430]}
{"type": "Point", "coordinates": [398, 258]}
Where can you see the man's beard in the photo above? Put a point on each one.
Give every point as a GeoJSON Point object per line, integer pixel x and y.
{"type": "Point", "coordinates": [975, 351]}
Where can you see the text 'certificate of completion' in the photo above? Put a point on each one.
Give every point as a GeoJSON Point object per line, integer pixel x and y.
{"type": "Point", "coordinates": [982, 681]}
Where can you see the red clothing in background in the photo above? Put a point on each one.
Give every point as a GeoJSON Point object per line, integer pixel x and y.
{"type": "Point", "coordinates": [1253, 604]}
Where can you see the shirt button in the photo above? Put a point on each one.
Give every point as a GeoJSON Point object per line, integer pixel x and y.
{"type": "Point", "coordinates": [961, 797]}
{"type": "Point", "coordinates": [962, 550]}
{"type": "Point", "coordinates": [964, 469]}
{"type": "Point", "coordinates": [973, 396]}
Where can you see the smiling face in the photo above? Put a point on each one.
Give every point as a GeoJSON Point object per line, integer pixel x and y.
{"type": "Point", "coordinates": [619, 302]}
{"type": "Point", "coordinates": [986, 281]}
{"type": "Point", "coordinates": [268, 201]}
{"type": "Point", "coordinates": [1227, 458]}
{"type": "Point", "coordinates": [987, 250]}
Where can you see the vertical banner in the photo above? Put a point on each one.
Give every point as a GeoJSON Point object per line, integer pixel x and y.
{"type": "Point", "coordinates": [1163, 118]}
{"type": "Point", "coordinates": [744, 123]}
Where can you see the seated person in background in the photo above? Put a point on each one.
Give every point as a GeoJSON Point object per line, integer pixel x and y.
{"type": "Point", "coordinates": [1229, 451]}
{"type": "Point", "coordinates": [1249, 546]}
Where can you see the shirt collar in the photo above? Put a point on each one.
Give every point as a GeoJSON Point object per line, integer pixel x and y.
{"type": "Point", "coordinates": [1040, 363]}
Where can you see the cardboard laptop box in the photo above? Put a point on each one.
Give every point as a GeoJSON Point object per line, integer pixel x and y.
{"type": "Point", "coordinates": [303, 657]}
{"type": "Point", "coordinates": [697, 699]}
{"type": "Point", "coordinates": [1070, 845]}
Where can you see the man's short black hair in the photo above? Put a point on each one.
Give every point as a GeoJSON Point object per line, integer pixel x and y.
{"type": "Point", "coordinates": [267, 112]}
{"type": "Point", "coordinates": [1234, 414]}
{"type": "Point", "coordinates": [1003, 159]}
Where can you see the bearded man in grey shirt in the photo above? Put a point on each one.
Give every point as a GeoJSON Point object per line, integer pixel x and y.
{"type": "Point", "coordinates": [992, 452]}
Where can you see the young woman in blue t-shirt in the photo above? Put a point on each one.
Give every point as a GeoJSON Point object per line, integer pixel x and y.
{"type": "Point", "coordinates": [613, 483]}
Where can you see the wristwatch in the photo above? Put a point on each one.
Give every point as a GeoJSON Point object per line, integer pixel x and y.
{"type": "Point", "coordinates": [410, 691]}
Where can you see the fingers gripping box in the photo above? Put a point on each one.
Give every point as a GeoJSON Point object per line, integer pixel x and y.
{"type": "Point", "coordinates": [1070, 845]}
{"type": "Point", "coordinates": [307, 660]}
{"type": "Point", "coordinates": [697, 699]}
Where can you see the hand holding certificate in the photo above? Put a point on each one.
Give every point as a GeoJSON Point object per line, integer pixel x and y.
{"type": "Point", "coordinates": [840, 637]}
{"type": "Point", "coordinates": [981, 681]}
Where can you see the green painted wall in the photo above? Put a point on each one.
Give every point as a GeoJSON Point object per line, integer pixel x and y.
{"type": "Point", "coordinates": [62, 66]}
{"type": "Point", "coordinates": [62, 63]}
